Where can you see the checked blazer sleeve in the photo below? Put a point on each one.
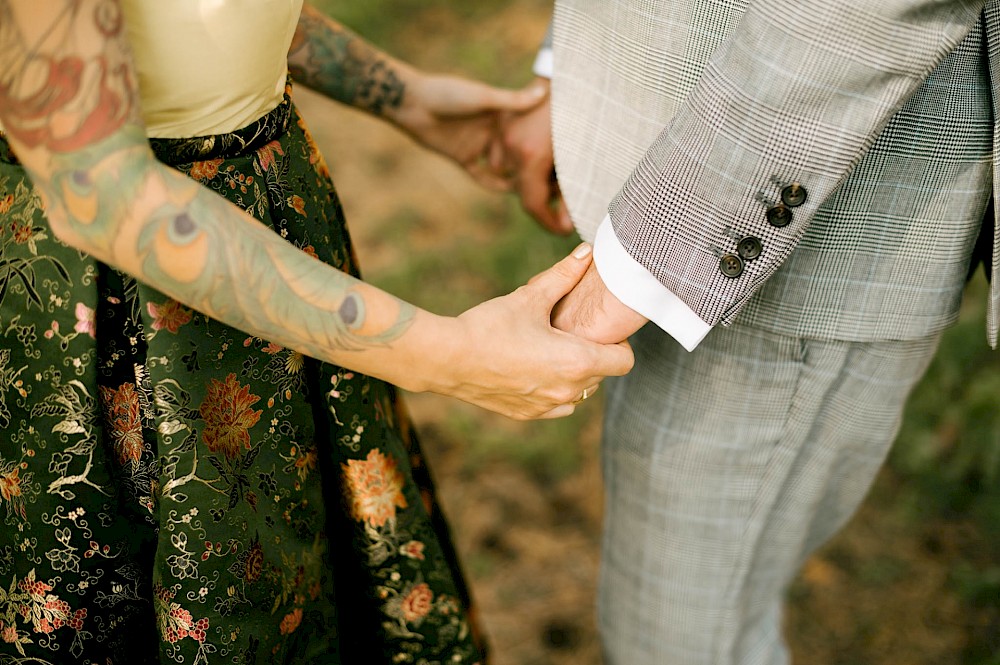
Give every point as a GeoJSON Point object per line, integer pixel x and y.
{"type": "Point", "coordinates": [789, 102]}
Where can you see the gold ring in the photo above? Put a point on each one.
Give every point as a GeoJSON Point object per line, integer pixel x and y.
{"type": "Point", "coordinates": [583, 397]}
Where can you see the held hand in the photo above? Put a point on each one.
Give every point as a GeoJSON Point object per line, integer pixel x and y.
{"type": "Point", "coordinates": [592, 311]}
{"type": "Point", "coordinates": [461, 119]}
{"type": "Point", "coordinates": [513, 361]}
{"type": "Point", "coordinates": [527, 152]}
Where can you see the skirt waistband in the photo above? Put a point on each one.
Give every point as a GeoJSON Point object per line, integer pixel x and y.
{"type": "Point", "coordinates": [174, 152]}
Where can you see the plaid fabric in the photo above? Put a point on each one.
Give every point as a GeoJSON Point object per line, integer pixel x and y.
{"type": "Point", "coordinates": [882, 110]}
{"type": "Point", "coordinates": [724, 469]}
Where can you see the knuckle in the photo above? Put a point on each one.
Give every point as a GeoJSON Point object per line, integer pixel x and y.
{"type": "Point", "coordinates": [565, 395]}
{"type": "Point", "coordinates": [579, 367]}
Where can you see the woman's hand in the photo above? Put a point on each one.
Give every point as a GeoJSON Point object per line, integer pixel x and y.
{"type": "Point", "coordinates": [505, 356]}
{"type": "Point", "coordinates": [454, 116]}
{"type": "Point", "coordinates": [460, 119]}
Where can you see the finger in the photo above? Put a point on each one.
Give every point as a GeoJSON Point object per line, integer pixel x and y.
{"type": "Point", "coordinates": [560, 411]}
{"type": "Point", "coordinates": [552, 284]}
{"type": "Point", "coordinates": [488, 178]}
{"type": "Point", "coordinates": [535, 188]}
{"type": "Point", "coordinates": [563, 223]}
{"type": "Point", "coordinates": [496, 156]}
{"type": "Point", "coordinates": [517, 101]}
{"type": "Point", "coordinates": [613, 359]}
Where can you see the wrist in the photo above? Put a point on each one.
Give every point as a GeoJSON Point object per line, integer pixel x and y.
{"type": "Point", "coordinates": [438, 345]}
{"type": "Point", "coordinates": [410, 112]}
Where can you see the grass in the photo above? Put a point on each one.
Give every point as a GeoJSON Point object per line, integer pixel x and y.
{"type": "Point", "coordinates": [449, 279]}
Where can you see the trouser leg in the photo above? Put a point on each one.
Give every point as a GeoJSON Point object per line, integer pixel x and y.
{"type": "Point", "coordinates": [724, 468]}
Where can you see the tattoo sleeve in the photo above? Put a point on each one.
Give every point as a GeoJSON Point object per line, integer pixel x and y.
{"type": "Point", "coordinates": [331, 59]}
{"type": "Point", "coordinates": [69, 104]}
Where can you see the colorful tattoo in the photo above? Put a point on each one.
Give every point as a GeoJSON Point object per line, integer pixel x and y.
{"type": "Point", "coordinates": [330, 58]}
{"type": "Point", "coordinates": [68, 100]}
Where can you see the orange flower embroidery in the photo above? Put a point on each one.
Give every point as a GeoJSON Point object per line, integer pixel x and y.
{"type": "Point", "coordinates": [315, 158]}
{"type": "Point", "coordinates": [298, 203]}
{"type": "Point", "coordinates": [374, 488]}
{"type": "Point", "coordinates": [291, 621]}
{"type": "Point", "coordinates": [306, 462]}
{"type": "Point", "coordinates": [205, 170]}
{"type": "Point", "coordinates": [10, 485]}
{"type": "Point", "coordinates": [12, 492]}
{"type": "Point", "coordinates": [6, 203]}
{"type": "Point", "coordinates": [255, 562]}
{"type": "Point", "coordinates": [170, 315]}
{"type": "Point", "coordinates": [417, 603]}
{"type": "Point", "coordinates": [22, 234]}
{"type": "Point", "coordinates": [121, 407]}
{"type": "Point", "coordinates": [228, 416]}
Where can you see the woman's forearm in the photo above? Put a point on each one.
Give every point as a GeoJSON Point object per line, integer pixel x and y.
{"type": "Point", "coordinates": [329, 58]}
{"type": "Point", "coordinates": [166, 230]}
{"type": "Point", "coordinates": [70, 107]}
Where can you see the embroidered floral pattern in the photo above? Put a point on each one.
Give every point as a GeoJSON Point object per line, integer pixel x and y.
{"type": "Point", "coordinates": [228, 416]}
{"type": "Point", "coordinates": [374, 488]}
{"type": "Point", "coordinates": [121, 409]}
{"type": "Point", "coordinates": [169, 315]}
{"type": "Point", "coordinates": [165, 479]}
{"type": "Point", "coordinates": [205, 170]}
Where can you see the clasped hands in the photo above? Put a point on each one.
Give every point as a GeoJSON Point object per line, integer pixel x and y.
{"type": "Point", "coordinates": [523, 154]}
{"type": "Point", "coordinates": [503, 139]}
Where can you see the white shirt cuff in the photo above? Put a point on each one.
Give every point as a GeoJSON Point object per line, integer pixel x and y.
{"type": "Point", "coordinates": [543, 63]}
{"type": "Point", "coordinates": [636, 287]}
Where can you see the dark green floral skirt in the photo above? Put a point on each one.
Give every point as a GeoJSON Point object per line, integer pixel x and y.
{"type": "Point", "coordinates": [175, 490]}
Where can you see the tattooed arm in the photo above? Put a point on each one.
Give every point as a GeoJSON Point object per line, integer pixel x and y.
{"type": "Point", "coordinates": [455, 116]}
{"type": "Point", "coordinates": [69, 104]}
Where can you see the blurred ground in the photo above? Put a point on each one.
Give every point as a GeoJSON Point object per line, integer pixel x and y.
{"type": "Point", "coordinates": [913, 580]}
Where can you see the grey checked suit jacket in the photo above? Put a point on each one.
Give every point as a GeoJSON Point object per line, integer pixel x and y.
{"type": "Point", "coordinates": [691, 115]}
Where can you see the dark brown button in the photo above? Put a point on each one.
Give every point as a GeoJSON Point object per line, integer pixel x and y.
{"type": "Point", "coordinates": [749, 248]}
{"type": "Point", "coordinates": [731, 265]}
{"type": "Point", "coordinates": [793, 195]}
{"type": "Point", "coordinates": [779, 215]}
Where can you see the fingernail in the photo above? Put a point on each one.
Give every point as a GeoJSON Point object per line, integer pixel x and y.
{"type": "Point", "coordinates": [582, 251]}
{"type": "Point", "coordinates": [537, 91]}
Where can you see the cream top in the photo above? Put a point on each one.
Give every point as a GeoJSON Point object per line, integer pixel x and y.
{"type": "Point", "coordinates": [209, 66]}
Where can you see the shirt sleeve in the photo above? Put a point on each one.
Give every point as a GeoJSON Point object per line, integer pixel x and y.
{"type": "Point", "coordinates": [637, 288]}
{"type": "Point", "coordinates": [543, 62]}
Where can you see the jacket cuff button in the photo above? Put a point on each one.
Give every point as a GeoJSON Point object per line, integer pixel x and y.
{"type": "Point", "coordinates": [731, 265]}
{"type": "Point", "coordinates": [749, 248]}
{"type": "Point", "coordinates": [779, 215]}
{"type": "Point", "coordinates": [793, 195]}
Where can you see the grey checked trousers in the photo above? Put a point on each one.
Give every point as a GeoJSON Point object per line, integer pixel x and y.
{"type": "Point", "coordinates": [724, 469]}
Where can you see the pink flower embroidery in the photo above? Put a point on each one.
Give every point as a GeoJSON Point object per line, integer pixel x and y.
{"type": "Point", "coordinates": [413, 549]}
{"type": "Point", "coordinates": [417, 603]}
{"type": "Point", "coordinates": [86, 321]}
{"type": "Point", "coordinates": [266, 154]}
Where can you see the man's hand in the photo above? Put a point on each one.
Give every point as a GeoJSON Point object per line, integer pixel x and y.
{"type": "Point", "coordinates": [527, 154]}
{"type": "Point", "coordinates": [591, 311]}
